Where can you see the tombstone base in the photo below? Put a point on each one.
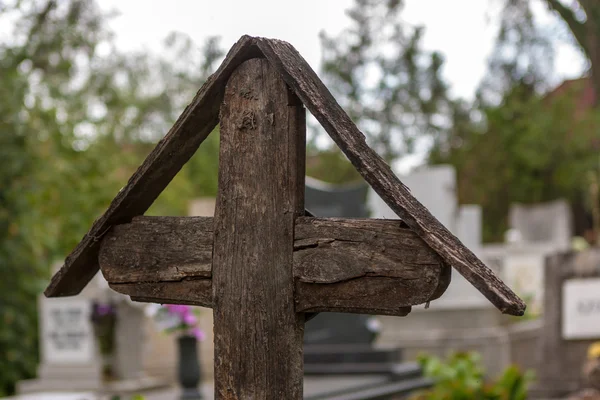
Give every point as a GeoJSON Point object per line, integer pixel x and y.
{"type": "Point", "coordinates": [191, 394]}
{"type": "Point", "coordinates": [85, 378]}
{"type": "Point", "coordinates": [61, 377]}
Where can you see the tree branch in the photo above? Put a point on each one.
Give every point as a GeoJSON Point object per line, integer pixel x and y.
{"type": "Point", "coordinates": [578, 28]}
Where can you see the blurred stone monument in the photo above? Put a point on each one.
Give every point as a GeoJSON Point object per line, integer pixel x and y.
{"type": "Point", "coordinates": [536, 231]}
{"type": "Point", "coordinates": [543, 223]}
{"type": "Point", "coordinates": [571, 323]}
{"type": "Point", "coordinates": [70, 357]}
{"type": "Point", "coordinates": [348, 201]}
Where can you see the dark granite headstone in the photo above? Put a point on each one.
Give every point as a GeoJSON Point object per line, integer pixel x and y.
{"type": "Point", "coordinates": [340, 345]}
{"type": "Point", "coordinates": [349, 201]}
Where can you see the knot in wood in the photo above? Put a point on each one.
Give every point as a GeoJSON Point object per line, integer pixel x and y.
{"type": "Point", "coordinates": [247, 94]}
{"type": "Point", "coordinates": [248, 121]}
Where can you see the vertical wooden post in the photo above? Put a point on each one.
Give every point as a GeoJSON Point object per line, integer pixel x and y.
{"type": "Point", "coordinates": [258, 336]}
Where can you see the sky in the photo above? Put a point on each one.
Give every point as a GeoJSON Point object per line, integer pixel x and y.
{"type": "Point", "coordinates": [459, 29]}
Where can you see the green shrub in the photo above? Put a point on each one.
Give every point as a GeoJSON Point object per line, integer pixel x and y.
{"type": "Point", "coordinates": [461, 377]}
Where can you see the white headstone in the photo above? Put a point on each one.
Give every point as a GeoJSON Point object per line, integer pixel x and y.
{"type": "Point", "coordinates": [581, 309]}
{"type": "Point", "coordinates": [69, 352]}
{"type": "Point", "coordinates": [523, 271]}
{"type": "Point", "coordinates": [433, 186]}
{"type": "Point", "coordinates": [70, 356]}
{"type": "Point", "coordinates": [202, 207]}
{"type": "Point", "coordinates": [468, 226]}
{"type": "Point", "coordinates": [543, 223]}
{"type": "Point", "coordinates": [67, 331]}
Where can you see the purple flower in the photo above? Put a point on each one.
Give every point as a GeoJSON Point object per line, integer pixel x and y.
{"type": "Point", "coordinates": [182, 318]}
{"type": "Point", "coordinates": [104, 309]}
{"type": "Point", "coordinates": [189, 319]}
{"type": "Point", "coordinates": [197, 332]}
{"type": "Point", "coordinates": [178, 309]}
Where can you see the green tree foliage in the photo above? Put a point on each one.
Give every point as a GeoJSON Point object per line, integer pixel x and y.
{"type": "Point", "coordinates": [329, 165]}
{"type": "Point", "coordinates": [18, 264]}
{"type": "Point", "coordinates": [77, 117]}
{"type": "Point", "coordinates": [530, 149]}
{"type": "Point", "coordinates": [383, 78]}
{"type": "Point", "coordinates": [581, 18]}
{"type": "Point", "coordinates": [520, 142]}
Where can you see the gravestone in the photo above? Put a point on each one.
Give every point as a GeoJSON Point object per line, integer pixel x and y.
{"type": "Point", "coordinates": [70, 357]}
{"type": "Point", "coordinates": [549, 222]}
{"type": "Point", "coordinates": [327, 200]}
{"type": "Point", "coordinates": [571, 320]}
{"type": "Point", "coordinates": [536, 231]}
{"type": "Point", "coordinates": [523, 267]}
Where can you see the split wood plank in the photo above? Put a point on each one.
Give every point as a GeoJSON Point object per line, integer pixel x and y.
{"type": "Point", "coordinates": [369, 266]}
{"type": "Point", "coordinates": [260, 194]}
{"type": "Point", "coordinates": [196, 292]}
{"type": "Point", "coordinates": [365, 266]}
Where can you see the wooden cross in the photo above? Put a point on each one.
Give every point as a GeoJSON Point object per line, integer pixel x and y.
{"type": "Point", "coordinates": [261, 263]}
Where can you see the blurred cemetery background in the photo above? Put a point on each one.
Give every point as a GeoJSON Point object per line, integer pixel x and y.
{"type": "Point", "coordinates": [489, 111]}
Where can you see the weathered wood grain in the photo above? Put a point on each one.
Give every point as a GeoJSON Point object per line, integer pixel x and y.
{"type": "Point", "coordinates": [158, 169]}
{"type": "Point", "coordinates": [158, 249]}
{"type": "Point", "coordinates": [258, 334]}
{"type": "Point", "coordinates": [201, 117]}
{"type": "Point", "coordinates": [364, 266]}
{"type": "Point", "coordinates": [329, 250]}
{"type": "Point", "coordinates": [373, 295]}
{"type": "Point", "coordinates": [358, 265]}
{"type": "Point", "coordinates": [197, 292]}
{"type": "Point", "coordinates": [320, 102]}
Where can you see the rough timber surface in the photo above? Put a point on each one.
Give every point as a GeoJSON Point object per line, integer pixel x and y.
{"type": "Point", "coordinates": [193, 126]}
{"type": "Point", "coordinates": [196, 292]}
{"type": "Point", "coordinates": [363, 266]}
{"type": "Point", "coordinates": [320, 102]}
{"type": "Point", "coordinates": [201, 117]}
{"type": "Point", "coordinates": [354, 265]}
{"type": "Point", "coordinates": [158, 249]}
{"type": "Point", "coordinates": [258, 335]}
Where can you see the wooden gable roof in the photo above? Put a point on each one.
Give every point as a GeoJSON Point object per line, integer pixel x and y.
{"type": "Point", "coordinates": [200, 118]}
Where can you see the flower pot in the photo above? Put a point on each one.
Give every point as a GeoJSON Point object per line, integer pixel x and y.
{"type": "Point", "coordinates": [189, 367]}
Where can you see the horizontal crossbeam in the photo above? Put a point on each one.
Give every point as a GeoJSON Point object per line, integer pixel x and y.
{"type": "Point", "coordinates": [345, 265]}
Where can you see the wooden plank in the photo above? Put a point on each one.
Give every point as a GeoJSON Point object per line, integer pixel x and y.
{"type": "Point", "coordinates": [197, 292]}
{"type": "Point", "coordinates": [320, 102]}
{"type": "Point", "coordinates": [375, 295]}
{"type": "Point", "coordinates": [170, 154]}
{"type": "Point", "coordinates": [356, 265]}
{"type": "Point", "coordinates": [365, 266]}
{"type": "Point", "coordinates": [158, 249]}
{"type": "Point", "coordinates": [330, 250]}
{"type": "Point", "coordinates": [255, 324]}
